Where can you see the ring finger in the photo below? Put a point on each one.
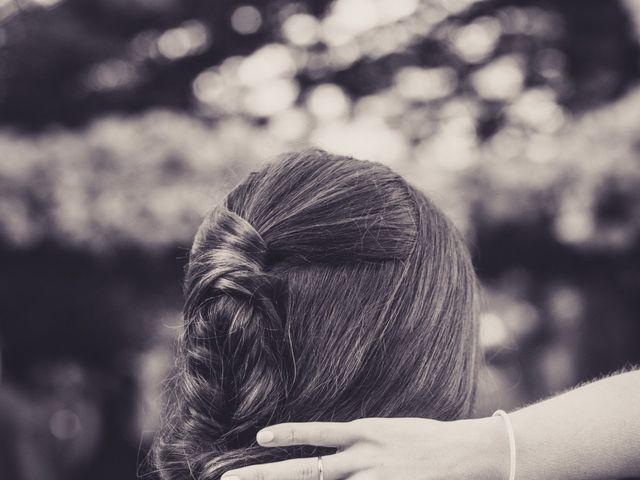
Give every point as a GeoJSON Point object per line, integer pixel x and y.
{"type": "Point", "coordinates": [335, 467]}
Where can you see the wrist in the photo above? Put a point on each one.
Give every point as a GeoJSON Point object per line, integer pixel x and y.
{"type": "Point", "coordinates": [492, 453]}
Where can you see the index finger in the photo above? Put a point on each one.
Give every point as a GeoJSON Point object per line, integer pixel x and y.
{"type": "Point", "coordinates": [319, 434]}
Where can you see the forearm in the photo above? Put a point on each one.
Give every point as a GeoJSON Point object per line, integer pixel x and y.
{"type": "Point", "coordinates": [591, 432]}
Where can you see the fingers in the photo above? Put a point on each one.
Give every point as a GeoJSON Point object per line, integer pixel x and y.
{"type": "Point", "coordinates": [319, 434]}
{"type": "Point", "coordinates": [335, 467]}
{"type": "Point", "coordinates": [365, 475]}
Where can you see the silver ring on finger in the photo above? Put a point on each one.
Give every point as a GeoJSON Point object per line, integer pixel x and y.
{"type": "Point", "coordinates": [320, 469]}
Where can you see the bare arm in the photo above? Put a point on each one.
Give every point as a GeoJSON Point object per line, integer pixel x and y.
{"type": "Point", "coordinates": [591, 432]}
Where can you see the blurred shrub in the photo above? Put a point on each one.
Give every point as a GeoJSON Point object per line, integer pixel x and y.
{"type": "Point", "coordinates": [145, 180]}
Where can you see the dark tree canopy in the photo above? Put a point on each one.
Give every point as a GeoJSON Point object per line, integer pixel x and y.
{"type": "Point", "coordinates": [47, 54]}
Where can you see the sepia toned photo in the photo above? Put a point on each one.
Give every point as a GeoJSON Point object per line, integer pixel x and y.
{"type": "Point", "coordinates": [319, 240]}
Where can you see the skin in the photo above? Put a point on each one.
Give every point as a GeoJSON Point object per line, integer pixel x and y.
{"type": "Point", "coordinates": [589, 433]}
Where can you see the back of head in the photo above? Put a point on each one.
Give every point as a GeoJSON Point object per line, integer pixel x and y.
{"type": "Point", "coordinates": [324, 288]}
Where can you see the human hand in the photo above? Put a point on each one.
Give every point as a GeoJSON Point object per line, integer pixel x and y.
{"type": "Point", "coordinates": [386, 448]}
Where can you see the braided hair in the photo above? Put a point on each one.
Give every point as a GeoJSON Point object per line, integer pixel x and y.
{"type": "Point", "coordinates": [323, 288]}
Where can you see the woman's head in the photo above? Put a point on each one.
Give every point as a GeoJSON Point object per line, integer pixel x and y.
{"type": "Point", "coordinates": [324, 288]}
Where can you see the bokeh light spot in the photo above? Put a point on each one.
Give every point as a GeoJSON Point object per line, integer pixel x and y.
{"type": "Point", "coordinates": [502, 79]}
{"type": "Point", "coordinates": [246, 20]}
{"type": "Point", "coordinates": [301, 29]}
{"type": "Point", "coordinates": [417, 83]}
{"type": "Point", "coordinates": [474, 42]}
{"type": "Point", "coordinates": [355, 16]}
{"type": "Point", "coordinates": [65, 424]}
{"type": "Point", "coordinates": [208, 87]}
{"type": "Point", "coordinates": [290, 125]}
{"type": "Point", "coordinates": [271, 97]}
{"type": "Point", "coordinates": [493, 332]}
{"type": "Point", "coordinates": [188, 39]}
{"type": "Point", "coordinates": [368, 137]}
{"type": "Point", "coordinates": [550, 64]}
{"type": "Point", "coordinates": [144, 45]}
{"type": "Point", "coordinates": [567, 305]}
{"type": "Point", "coordinates": [269, 62]}
{"type": "Point", "coordinates": [538, 109]}
{"type": "Point", "coordinates": [110, 75]}
{"type": "Point", "coordinates": [394, 10]}
{"type": "Point", "coordinates": [328, 101]}
{"type": "Point", "coordinates": [574, 225]}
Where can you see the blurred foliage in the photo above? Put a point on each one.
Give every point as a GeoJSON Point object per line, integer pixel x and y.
{"type": "Point", "coordinates": [66, 61]}
{"type": "Point", "coordinates": [123, 121]}
{"type": "Point", "coordinates": [479, 96]}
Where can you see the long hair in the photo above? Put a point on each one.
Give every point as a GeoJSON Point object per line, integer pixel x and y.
{"type": "Point", "coordinates": [323, 288]}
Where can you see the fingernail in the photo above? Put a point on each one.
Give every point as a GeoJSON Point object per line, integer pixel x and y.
{"type": "Point", "coordinates": [264, 436]}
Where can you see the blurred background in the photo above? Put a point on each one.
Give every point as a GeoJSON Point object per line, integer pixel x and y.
{"type": "Point", "coordinates": [123, 121]}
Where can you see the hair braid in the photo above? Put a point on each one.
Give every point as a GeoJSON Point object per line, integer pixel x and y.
{"type": "Point", "coordinates": [231, 349]}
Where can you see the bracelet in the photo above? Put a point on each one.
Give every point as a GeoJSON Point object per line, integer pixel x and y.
{"type": "Point", "coordinates": [512, 442]}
